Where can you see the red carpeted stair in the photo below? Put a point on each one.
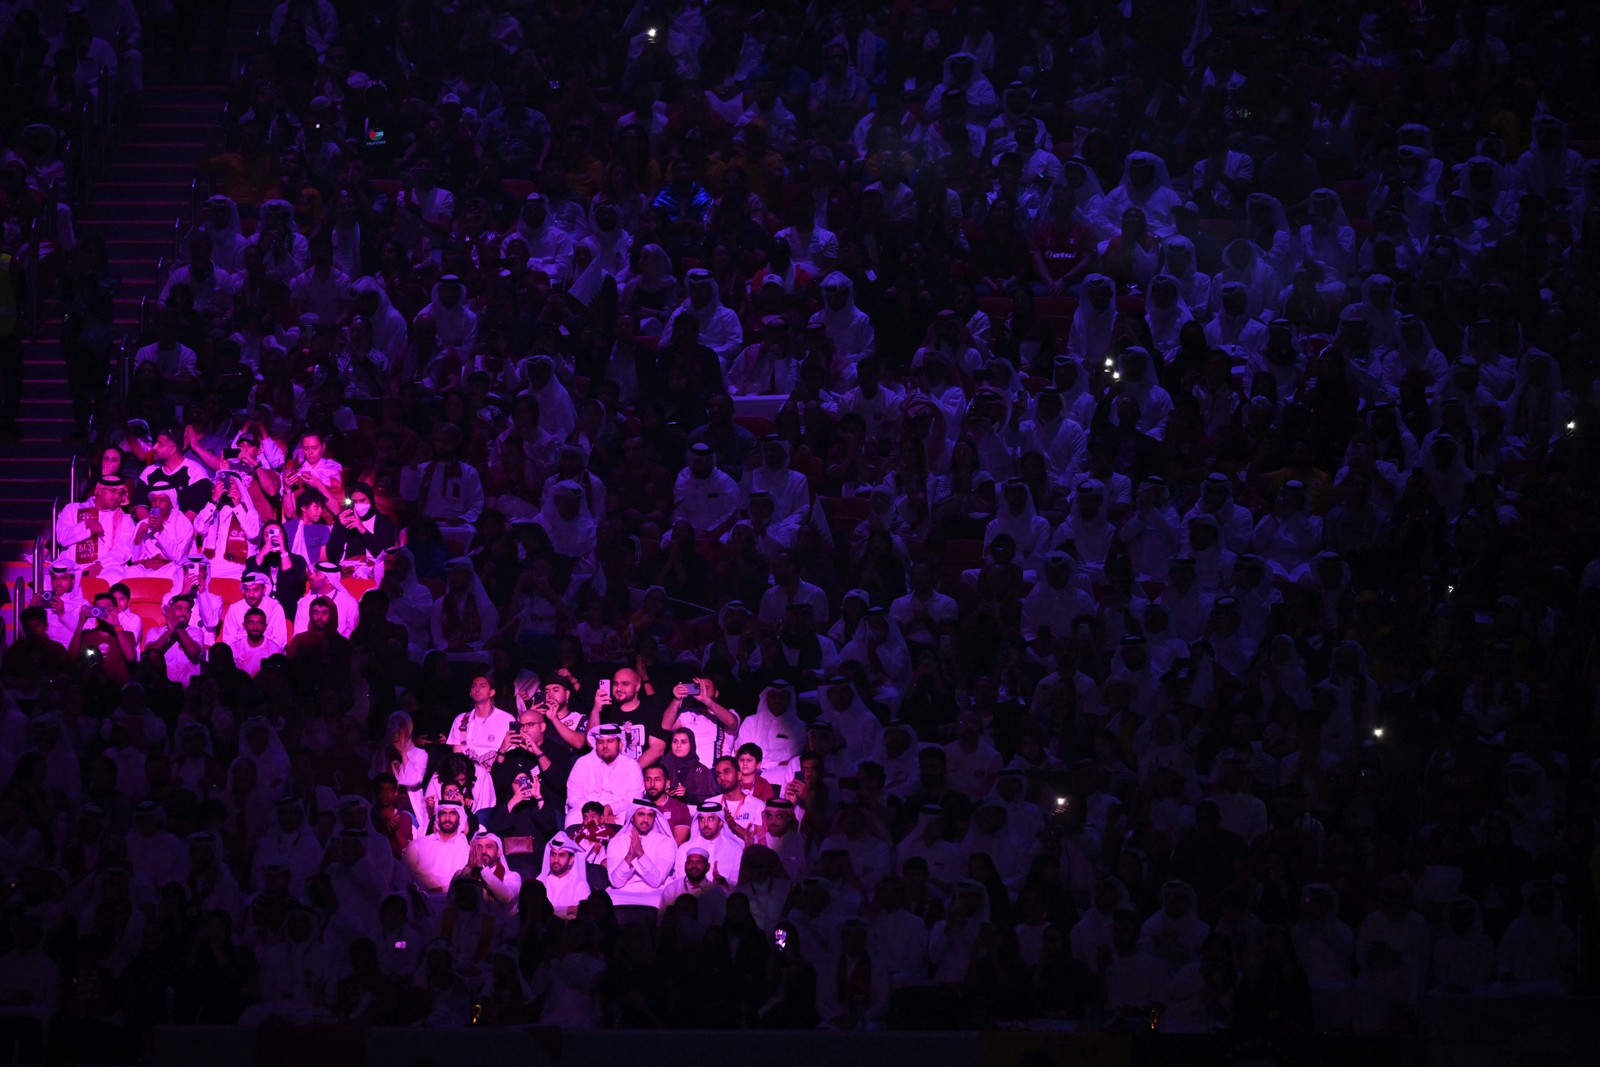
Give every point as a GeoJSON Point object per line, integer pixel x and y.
{"type": "Point", "coordinates": [140, 203]}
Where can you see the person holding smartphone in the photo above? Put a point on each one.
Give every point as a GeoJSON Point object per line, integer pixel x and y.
{"type": "Point", "coordinates": [694, 707]}
{"type": "Point", "coordinates": [624, 704]}
{"type": "Point", "coordinates": [100, 639]}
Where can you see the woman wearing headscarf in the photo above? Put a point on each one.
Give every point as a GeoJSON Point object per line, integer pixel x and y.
{"type": "Point", "coordinates": [687, 777]}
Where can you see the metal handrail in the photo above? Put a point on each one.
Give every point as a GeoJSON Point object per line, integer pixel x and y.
{"type": "Point", "coordinates": [31, 271]}
{"type": "Point", "coordinates": [144, 316]}
{"type": "Point", "coordinates": [177, 239]}
{"type": "Point", "coordinates": [72, 477]}
{"type": "Point", "coordinates": [195, 199]}
{"type": "Point", "coordinates": [126, 369]}
{"type": "Point", "coordinates": [55, 509]}
{"type": "Point", "coordinates": [19, 591]}
{"type": "Point", "coordinates": [52, 209]}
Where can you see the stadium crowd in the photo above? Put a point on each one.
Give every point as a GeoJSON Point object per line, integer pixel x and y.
{"type": "Point", "coordinates": [853, 515]}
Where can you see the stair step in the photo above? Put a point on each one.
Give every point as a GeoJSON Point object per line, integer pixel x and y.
{"type": "Point", "coordinates": [139, 164]}
{"type": "Point", "coordinates": [152, 225]}
{"type": "Point", "coordinates": [168, 188]}
{"type": "Point", "coordinates": [171, 152]}
{"type": "Point", "coordinates": [41, 449]}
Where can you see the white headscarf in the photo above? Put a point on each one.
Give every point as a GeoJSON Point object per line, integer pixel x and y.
{"type": "Point", "coordinates": [388, 325]}
{"type": "Point", "coordinates": [453, 327]}
{"type": "Point", "coordinates": [1156, 198]}
{"type": "Point", "coordinates": [569, 537]}
{"type": "Point", "coordinates": [564, 890]}
{"type": "Point", "coordinates": [1178, 261]}
{"type": "Point", "coordinates": [608, 254]}
{"type": "Point", "coordinates": [725, 852]}
{"type": "Point", "coordinates": [1165, 323]}
{"type": "Point", "coordinates": [272, 764]}
{"type": "Point", "coordinates": [475, 589]}
{"type": "Point", "coordinates": [1092, 329]}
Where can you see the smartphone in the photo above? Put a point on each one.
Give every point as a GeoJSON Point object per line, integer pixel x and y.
{"type": "Point", "coordinates": [780, 938]}
{"type": "Point", "coordinates": [692, 688]}
{"type": "Point", "coordinates": [401, 945]}
{"type": "Point", "coordinates": [602, 691]}
{"type": "Point", "coordinates": [516, 727]}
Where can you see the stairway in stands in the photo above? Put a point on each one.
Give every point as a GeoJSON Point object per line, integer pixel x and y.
{"type": "Point", "coordinates": [136, 205]}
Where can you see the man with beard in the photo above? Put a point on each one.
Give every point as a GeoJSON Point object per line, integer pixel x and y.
{"type": "Point", "coordinates": [254, 584]}
{"type": "Point", "coordinates": [435, 859]}
{"type": "Point", "coordinates": [677, 813]}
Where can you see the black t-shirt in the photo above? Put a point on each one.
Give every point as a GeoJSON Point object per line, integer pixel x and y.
{"type": "Point", "coordinates": [638, 725]}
